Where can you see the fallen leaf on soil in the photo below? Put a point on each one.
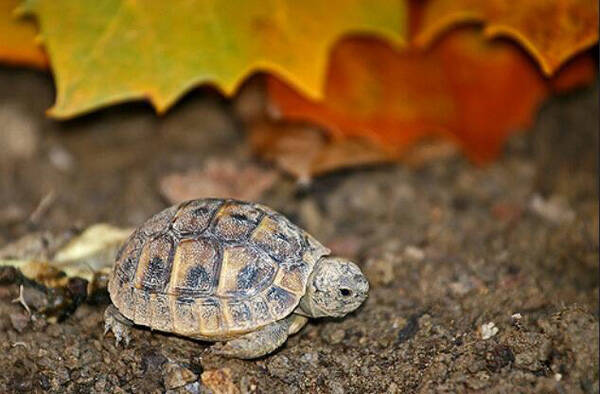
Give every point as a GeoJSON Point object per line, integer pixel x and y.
{"type": "Point", "coordinates": [219, 381]}
{"type": "Point", "coordinates": [303, 150]}
{"type": "Point", "coordinates": [474, 91]}
{"type": "Point", "coordinates": [34, 246]}
{"type": "Point", "coordinates": [555, 209]}
{"type": "Point", "coordinates": [219, 178]}
{"type": "Point", "coordinates": [116, 50]}
{"type": "Point", "coordinates": [17, 43]}
{"type": "Point", "coordinates": [426, 151]}
{"type": "Point", "coordinates": [551, 31]}
{"type": "Point", "coordinates": [87, 256]}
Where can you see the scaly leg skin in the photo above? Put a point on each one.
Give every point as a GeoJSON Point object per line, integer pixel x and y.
{"type": "Point", "coordinates": [117, 323]}
{"type": "Point", "coordinates": [256, 343]}
{"type": "Point", "coordinates": [297, 322]}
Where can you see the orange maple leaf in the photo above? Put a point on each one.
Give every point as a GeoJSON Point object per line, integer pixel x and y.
{"type": "Point", "coordinates": [552, 31]}
{"type": "Point", "coordinates": [475, 91]}
{"type": "Point", "coordinates": [17, 38]}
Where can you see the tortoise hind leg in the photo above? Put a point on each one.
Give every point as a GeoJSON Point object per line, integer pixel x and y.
{"type": "Point", "coordinates": [256, 343]}
{"type": "Point", "coordinates": [117, 323]}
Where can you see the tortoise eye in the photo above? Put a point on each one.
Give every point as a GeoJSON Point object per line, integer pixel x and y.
{"type": "Point", "coordinates": [345, 292]}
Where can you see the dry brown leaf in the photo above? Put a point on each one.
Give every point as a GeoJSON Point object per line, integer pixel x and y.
{"type": "Point", "coordinates": [52, 260]}
{"type": "Point", "coordinates": [219, 178]}
{"type": "Point", "coordinates": [304, 151]}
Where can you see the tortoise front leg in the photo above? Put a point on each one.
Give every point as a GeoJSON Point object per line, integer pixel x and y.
{"type": "Point", "coordinates": [256, 343]}
{"type": "Point", "coordinates": [117, 323]}
{"type": "Point", "coordinates": [297, 322]}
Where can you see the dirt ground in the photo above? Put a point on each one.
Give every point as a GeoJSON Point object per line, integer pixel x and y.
{"type": "Point", "coordinates": [482, 279]}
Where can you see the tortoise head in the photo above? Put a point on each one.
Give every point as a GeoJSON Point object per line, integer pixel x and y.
{"type": "Point", "coordinates": [335, 287]}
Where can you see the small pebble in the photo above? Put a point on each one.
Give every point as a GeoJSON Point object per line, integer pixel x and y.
{"type": "Point", "coordinates": [279, 366]}
{"type": "Point", "coordinates": [219, 381]}
{"type": "Point", "coordinates": [488, 330]}
{"type": "Point", "coordinates": [248, 384]}
{"type": "Point", "coordinates": [336, 387]}
{"type": "Point", "coordinates": [557, 377]}
{"type": "Point", "coordinates": [310, 358]}
{"type": "Point", "coordinates": [413, 253]}
{"type": "Point", "coordinates": [190, 388]}
{"type": "Point", "coordinates": [34, 298]}
{"type": "Point", "coordinates": [153, 362]}
{"type": "Point", "coordinates": [61, 158]}
{"type": "Point", "coordinates": [380, 270]}
{"type": "Point", "coordinates": [554, 209]}
{"type": "Point", "coordinates": [19, 321]}
{"type": "Point", "coordinates": [175, 375]}
{"type": "Point", "coordinates": [335, 337]}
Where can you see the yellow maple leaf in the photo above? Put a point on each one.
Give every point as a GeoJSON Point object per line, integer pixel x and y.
{"type": "Point", "coordinates": [110, 51]}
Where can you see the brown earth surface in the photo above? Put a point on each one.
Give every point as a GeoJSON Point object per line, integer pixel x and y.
{"type": "Point", "coordinates": [482, 279]}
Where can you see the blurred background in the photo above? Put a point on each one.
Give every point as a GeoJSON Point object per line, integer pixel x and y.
{"type": "Point", "coordinates": [449, 147]}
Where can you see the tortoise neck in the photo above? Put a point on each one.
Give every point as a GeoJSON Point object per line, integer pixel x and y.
{"type": "Point", "coordinates": [307, 306]}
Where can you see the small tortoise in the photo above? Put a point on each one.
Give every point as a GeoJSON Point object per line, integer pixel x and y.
{"type": "Point", "coordinates": [228, 271]}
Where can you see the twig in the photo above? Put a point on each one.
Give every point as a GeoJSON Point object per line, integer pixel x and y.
{"type": "Point", "coordinates": [20, 344]}
{"type": "Point", "coordinates": [21, 300]}
{"type": "Point", "coordinates": [42, 207]}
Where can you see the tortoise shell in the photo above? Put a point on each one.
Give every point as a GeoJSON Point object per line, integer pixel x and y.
{"type": "Point", "coordinates": [213, 268]}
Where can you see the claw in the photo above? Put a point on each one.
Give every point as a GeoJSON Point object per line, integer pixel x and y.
{"type": "Point", "coordinates": [127, 340]}
{"type": "Point", "coordinates": [120, 329]}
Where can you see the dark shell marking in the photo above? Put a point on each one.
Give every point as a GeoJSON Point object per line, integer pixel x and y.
{"type": "Point", "coordinates": [213, 268]}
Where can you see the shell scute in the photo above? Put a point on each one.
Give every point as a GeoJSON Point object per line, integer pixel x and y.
{"type": "Point", "coordinates": [292, 277]}
{"type": "Point", "coordinates": [160, 310]}
{"type": "Point", "coordinates": [195, 216]}
{"type": "Point", "coordinates": [154, 266]}
{"type": "Point", "coordinates": [245, 271]}
{"type": "Point", "coordinates": [185, 316]}
{"type": "Point", "coordinates": [195, 268]}
{"type": "Point", "coordinates": [128, 256]}
{"type": "Point", "coordinates": [240, 314]}
{"type": "Point", "coordinates": [235, 221]}
{"type": "Point", "coordinates": [141, 313]}
{"type": "Point", "coordinates": [211, 316]}
{"type": "Point", "coordinates": [159, 222]}
{"type": "Point", "coordinates": [260, 310]}
{"type": "Point", "coordinates": [278, 237]}
{"type": "Point", "coordinates": [280, 300]}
